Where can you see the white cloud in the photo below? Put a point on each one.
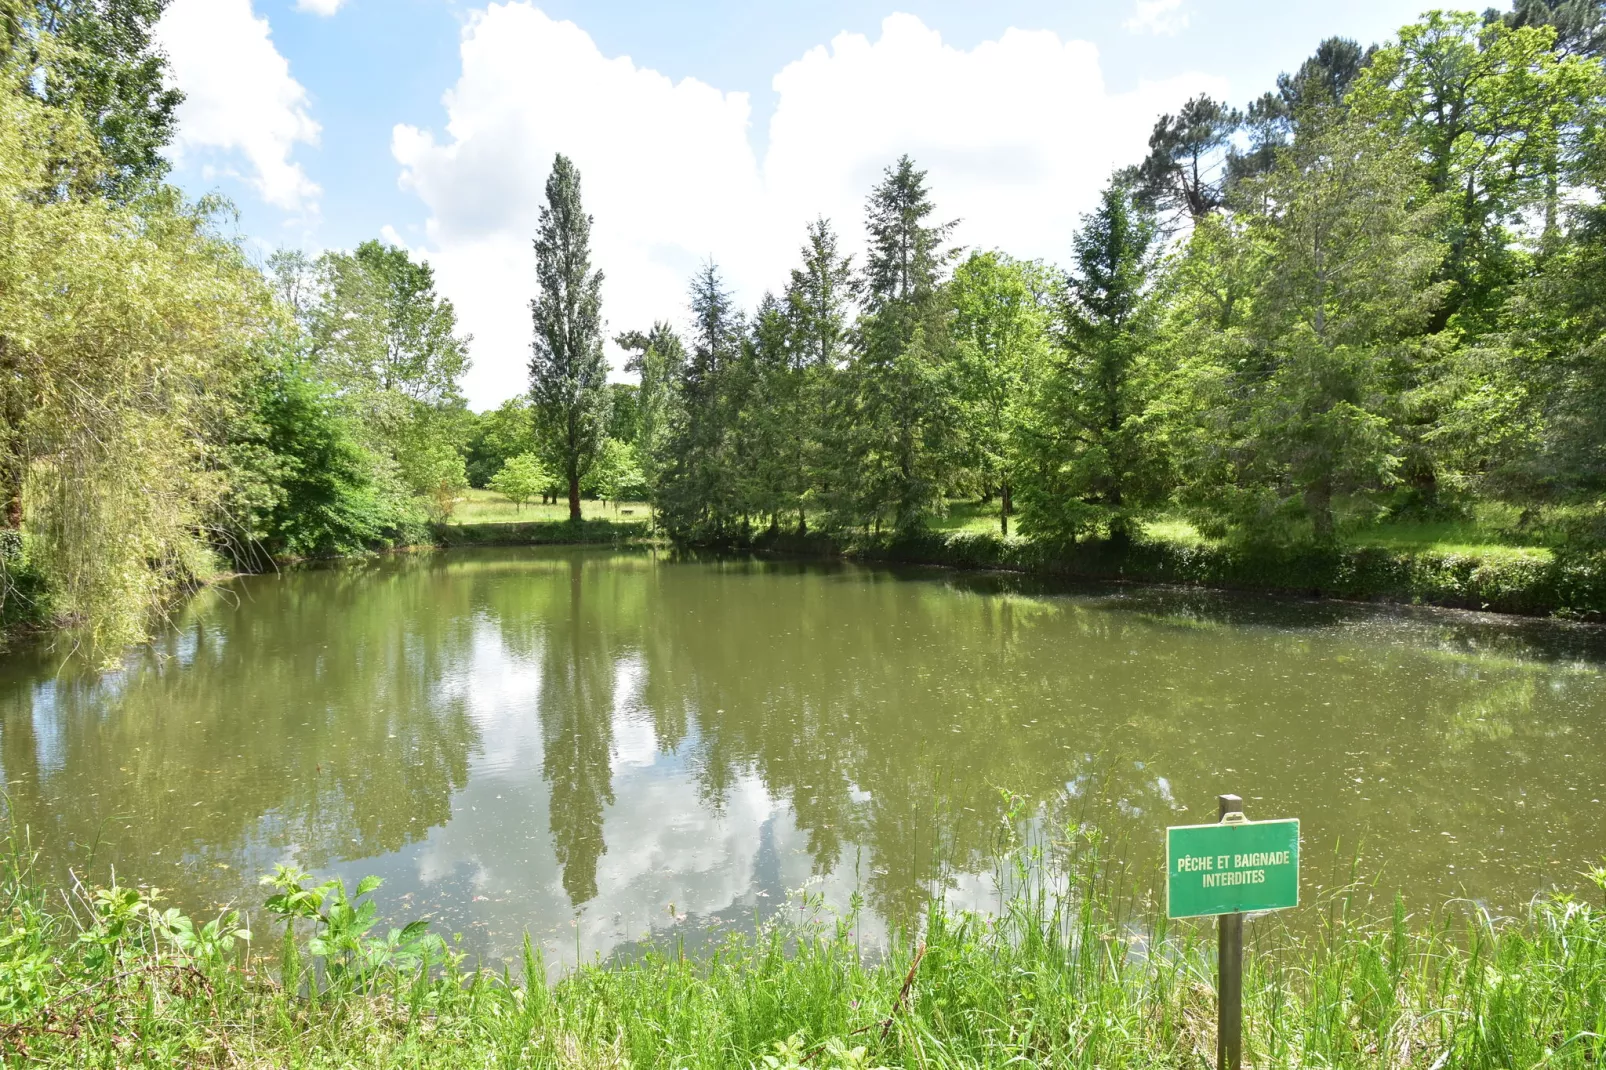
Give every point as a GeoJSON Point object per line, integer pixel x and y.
{"type": "Point", "coordinates": [1017, 134]}
{"type": "Point", "coordinates": [319, 7]}
{"type": "Point", "coordinates": [1158, 16]}
{"type": "Point", "coordinates": [240, 100]}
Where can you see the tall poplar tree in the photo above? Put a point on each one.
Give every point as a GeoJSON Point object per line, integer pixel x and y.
{"type": "Point", "coordinates": [568, 373]}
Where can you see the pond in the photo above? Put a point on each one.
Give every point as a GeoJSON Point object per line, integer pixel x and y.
{"type": "Point", "coordinates": [600, 746]}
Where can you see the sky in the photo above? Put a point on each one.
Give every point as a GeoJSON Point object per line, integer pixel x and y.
{"type": "Point", "coordinates": [713, 130]}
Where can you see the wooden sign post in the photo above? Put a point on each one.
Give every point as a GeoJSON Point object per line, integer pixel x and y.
{"type": "Point", "coordinates": [1228, 869]}
{"type": "Point", "coordinates": [1229, 967]}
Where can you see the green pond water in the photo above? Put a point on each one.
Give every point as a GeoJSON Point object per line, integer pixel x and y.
{"type": "Point", "coordinates": [600, 747]}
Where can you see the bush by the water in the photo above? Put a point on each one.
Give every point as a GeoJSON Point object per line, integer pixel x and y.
{"type": "Point", "coordinates": [1067, 973]}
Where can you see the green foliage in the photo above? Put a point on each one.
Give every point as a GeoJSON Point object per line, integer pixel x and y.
{"type": "Point", "coordinates": [1295, 406]}
{"type": "Point", "coordinates": [1068, 971]}
{"type": "Point", "coordinates": [1487, 108]}
{"type": "Point", "coordinates": [1000, 327]}
{"type": "Point", "coordinates": [1382, 301]}
{"type": "Point", "coordinates": [1185, 171]}
{"type": "Point", "coordinates": [616, 473]}
{"type": "Point", "coordinates": [521, 478]}
{"type": "Point", "coordinates": [624, 412]}
{"type": "Point", "coordinates": [659, 358]}
{"type": "Point", "coordinates": [503, 433]}
{"type": "Point", "coordinates": [125, 334]}
{"type": "Point", "coordinates": [1094, 457]}
{"type": "Point", "coordinates": [97, 60]}
{"type": "Point", "coordinates": [697, 489]}
{"type": "Point", "coordinates": [895, 421]}
{"type": "Point", "coordinates": [321, 496]}
{"type": "Point", "coordinates": [568, 372]}
{"type": "Point", "coordinates": [340, 924]}
{"type": "Point", "coordinates": [161, 400]}
{"type": "Point", "coordinates": [24, 594]}
{"type": "Point", "coordinates": [381, 333]}
{"type": "Point", "coordinates": [376, 331]}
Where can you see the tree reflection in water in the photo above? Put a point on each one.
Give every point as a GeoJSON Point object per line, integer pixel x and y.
{"type": "Point", "coordinates": [713, 732]}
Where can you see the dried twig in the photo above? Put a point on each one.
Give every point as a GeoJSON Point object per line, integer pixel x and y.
{"type": "Point", "coordinates": [903, 993]}
{"type": "Point", "coordinates": [897, 1005]}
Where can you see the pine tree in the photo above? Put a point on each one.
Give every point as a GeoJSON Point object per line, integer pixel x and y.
{"type": "Point", "coordinates": [698, 489]}
{"type": "Point", "coordinates": [1322, 81]}
{"type": "Point", "coordinates": [894, 440]}
{"type": "Point", "coordinates": [1185, 171]}
{"type": "Point", "coordinates": [1302, 411]}
{"type": "Point", "coordinates": [818, 308]}
{"type": "Point", "coordinates": [765, 397]}
{"type": "Point", "coordinates": [1090, 456]}
{"type": "Point", "coordinates": [568, 372]}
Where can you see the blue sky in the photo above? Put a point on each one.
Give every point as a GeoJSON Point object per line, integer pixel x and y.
{"type": "Point", "coordinates": [709, 130]}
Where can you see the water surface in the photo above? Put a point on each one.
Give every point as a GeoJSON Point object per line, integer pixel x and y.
{"type": "Point", "coordinates": [598, 746]}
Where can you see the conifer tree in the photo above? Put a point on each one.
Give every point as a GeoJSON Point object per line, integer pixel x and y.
{"type": "Point", "coordinates": [1090, 455]}
{"type": "Point", "coordinates": [568, 372]}
{"type": "Point", "coordinates": [699, 486]}
{"type": "Point", "coordinates": [1302, 412]}
{"type": "Point", "coordinates": [1185, 171]}
{"type": "Point", "coordinates": [818, 308]}
{"type": "Point", "coordinates": [898, 431]}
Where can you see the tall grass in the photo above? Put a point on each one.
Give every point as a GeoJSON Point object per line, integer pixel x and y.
{"type": "Point", "coordinates": [1069, 972]}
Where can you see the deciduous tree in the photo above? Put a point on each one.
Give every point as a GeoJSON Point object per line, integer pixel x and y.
{"type": "Point", "coordinates": [568, 372]}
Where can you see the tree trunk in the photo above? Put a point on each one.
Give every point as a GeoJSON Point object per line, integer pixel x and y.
{"type": "Point", "coordinates": [574, 497]}
{"type": "Point", "coordinates": [12, 492]}
{"type": "Point", "coordinates": [1319, 504]}
{"type": "Point", "coordinates": [1425, 482]}
{"type": "Point", "coordinates": [802, 521]}
{"type": "Point", "coordinates": [1006, 505]}
{"type": "Point", "coordinates": [14, 468]}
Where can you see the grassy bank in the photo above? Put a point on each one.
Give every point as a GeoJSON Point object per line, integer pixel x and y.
{"type": "Point", "coordinates": [475, 506]}
{"type": "Point", "coordinates": [1479, 564]}
{"type": "Point", "coordinates": [542, 533]}
{"type": "Point", "coordinates": [485, 518]}
{"type": "Point", "coordinates": [1065, 975]}
{"type": "Point", "coordinates": [1496, 579]}
{"type": "Point", "coordinates": [1572, 586]}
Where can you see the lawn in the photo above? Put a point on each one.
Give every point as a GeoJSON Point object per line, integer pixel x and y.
{"type": "Point", "coordinates": [488, 507]}
{"type": "Point", "coordinates": [1486, 534]}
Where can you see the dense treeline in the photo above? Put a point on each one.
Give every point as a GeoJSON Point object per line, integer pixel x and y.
{"type": "Point", "coordinates": [1376, 293]}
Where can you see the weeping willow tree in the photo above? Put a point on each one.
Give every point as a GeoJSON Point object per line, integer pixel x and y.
{"type": "Point", "coordinates": [125, 331]}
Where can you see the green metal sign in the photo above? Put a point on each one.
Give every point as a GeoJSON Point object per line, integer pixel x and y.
{"type": "Point", "coordinates": [1231, 868]}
